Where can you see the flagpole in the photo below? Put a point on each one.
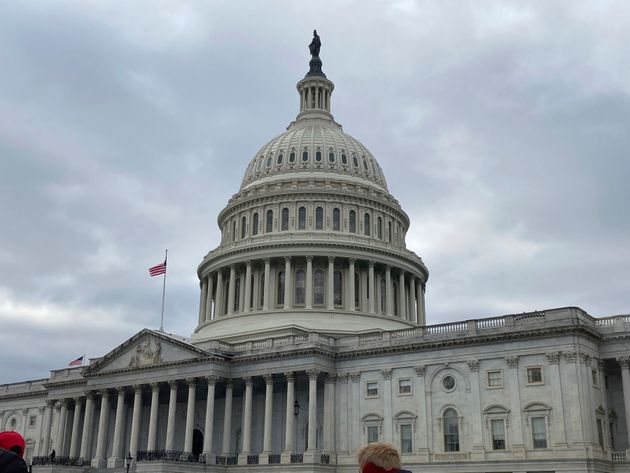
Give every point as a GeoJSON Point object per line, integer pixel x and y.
{"type": "Point", "coordinates": [163, 292]}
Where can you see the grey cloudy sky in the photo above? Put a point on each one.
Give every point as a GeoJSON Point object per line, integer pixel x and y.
{"type": "Point", "coordinates": [502, 128]}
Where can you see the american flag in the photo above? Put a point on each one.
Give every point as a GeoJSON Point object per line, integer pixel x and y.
{"type": "Point", "coordinates": [77, 362]}
{"type": "Point", "coordinates": [158, 269]}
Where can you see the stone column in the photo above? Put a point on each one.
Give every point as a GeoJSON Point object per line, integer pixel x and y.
{"type": "Point", "coordinates": [172, 408]}
{"type": "Point", "coordinates": [190, 415]}
{"type": "Point", "coordinates": [309, 282]}
{"type": "Point", "coordinates": [478, 452]}
{"type": "Point", "coordinates": [388, 415]}
{"type": "Point", "coordinates": [312, 410]}
{"type": "Point", "coordinates": [289, 430]}
{"type": "Point", "coordinates": [287, 282]}
{"type": "Point", "coordinates": [55, 421]}
{"type": "Point", "coordinates": [153, 417]}
{"type": "Point", "coordinates": [371, 288]}
{"type": "Point", "coordinates": [511, 375]}
{"type": "Point", "coordinates": [268, 414]}
{"type": "Point", "coordinates": [76, 425]}
{"type": "Point", "coordinates": [43, 448]}
{"type": "Point", "coordinates": [329, 414]}
{"type": "Point", "coordinates": [209, 298]}
{"type": "Point", "coordinates": [86, 437]}
{"type": "Point", "coordinates": [413, 312]}
{"type": "Point", "coordinates": [248, 286]}
{"type": "Point", "coordinates": [331, 283]}
{"type": "Point", "coordinates": [61, 431]}
{"type": "Point", "coordinates": [99, 460]}
{"type": "Point", "coordinates": [135, 421]}
{"type": "Point", "coordinates": [422, 310]}
{"type": "Point", "coordinates": [231, 290]}
{"type": "Point", "coordinates": [227, 418]}
{"type": "Point", "coordinates": [218, 300]}
{"type": "Point", "coordinates": [402, 313]}
{"type": "Point", "coordinates": [351, 283]}
{"type": "Point", "coordinates": [424, 417]}
{"type": "Point", "coordinates": [247, 420]}
{"type": "Point", "coordinates": [624, 362]}
{"type": "Point", "coordinates": [207, 439]}
{"type": "Point", "coordinates": [203, 300]}
{"type": "Point", "coordinates": [116, 460]}
{"type": "Point", "coordinates": [256, 289]}
{"type": "Point", "coordinates": [241, 292]}
{"type": "Point", "coordinates": [266, 295]}
{"type": "Point", "coordinates": [389, 297]}
{"type": "Point", "coordinates": [558, 426]}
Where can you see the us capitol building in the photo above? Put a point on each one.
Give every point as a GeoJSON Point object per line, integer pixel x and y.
{"type": "Point", "coordinates": [312, 341]}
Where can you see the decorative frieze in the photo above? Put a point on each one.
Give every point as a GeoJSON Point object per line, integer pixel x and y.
{"type": "Point", "coordinates": [512, 361]}
{"type": "Point", "coordinates": [387, 373]}
{"type": "Point", "coordinates": [585, 358]}
{"type": "Point", "coordinates": [343, 378]}
{"type": "Point", "coordinates": [624, 361]}
{"type": "Point", "coordinates": [553, 357]}
{"type": "Point", "coordinates": [355, 377]}
{"type": "Point", "coordinates": [473, 365]}
{"type": "Point", "coordinates": [570, 356]}
{"type": "Point", "coordinates": [420, 370]}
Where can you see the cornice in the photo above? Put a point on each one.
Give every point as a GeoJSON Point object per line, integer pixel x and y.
{"type": "Point", "coordinates": [191, 361]}
{"type": "Point", "coordinates": [24, 395]}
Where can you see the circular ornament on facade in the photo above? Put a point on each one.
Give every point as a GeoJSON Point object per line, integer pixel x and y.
{"type": "Point", "coordinates": [448, 383]}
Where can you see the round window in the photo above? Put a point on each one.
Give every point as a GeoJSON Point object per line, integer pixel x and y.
{"type": "Point", "coordinates": [448, 383]}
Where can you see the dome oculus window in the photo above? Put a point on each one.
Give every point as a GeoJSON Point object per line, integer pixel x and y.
{"type": "Point", "coordinates": [448, 383]}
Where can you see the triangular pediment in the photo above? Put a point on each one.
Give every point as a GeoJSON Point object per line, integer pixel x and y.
{"type": "Point", "coordinates": [146, 349]}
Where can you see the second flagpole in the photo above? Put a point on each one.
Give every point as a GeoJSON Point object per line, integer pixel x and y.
{"type": "Point", "coordinates": [164, 290]}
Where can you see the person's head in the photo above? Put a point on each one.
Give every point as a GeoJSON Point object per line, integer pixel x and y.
{"type": "Point", "coordinates": [378, 457]}
{"type": "Point", "coordinates": [12, 441]}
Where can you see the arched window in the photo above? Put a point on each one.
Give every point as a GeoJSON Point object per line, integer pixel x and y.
{"type": "Point", "coordinates": [261, 290]}
{"type": "Point", "coordinates": [292, 156]}
{"type": "Point", "coordinates": [269, 158]}
{"type": "Point", "coordinates": [233, 230]}
{"type": "Point", "coordinates": [395, 296]}
{"type": "Point", "coordinates": [365, 164]}
{"type": "Point", "coordinates": [379, 227]}
{"type": "Point", "coordinates": [269, 224]}
{"type": "Point", "coordinates": [251, 295]}
{"type": "Point", "coordinates": [305, 156]}
{"type": "Point", "coordinates": [357, 290]}
{"type": "Point", "coordinates": [255, 224]}
{"type": "Point", "coordinates": [279, 159]}
{"type": "Point", "coordinates": [336, 220]}
{"type": "Point", "coordinates": [318, 287]}
{"type": "Point", "coordinates": [450, 424]}
{"type": "Point", "coordinates": [344, 159]}
{"type": "Point", "coordinates": [383, 296]}
{"type": "Point", "coordinates": [301, 218]}
{"type": "Point", "coordinates": [331, 156]}
{"type": "Point", "coordinates": [237, 294]}
{"type": "Point", "coordinates": [243, 227]}
{"type": "Point", "coordinates": [319, 218]}
{"type": "Point", "coordinates": [366, 224]}
{"type": "Point", "coordinates": [318, 156]}
{"type": "Point", "coordinates": [280, 289]}
{"type": "Point", "coordinates": [355, 161]}
{"type": "Point", "coordinates": [338, 287]}
{"type": "Point", "coordinates": [300, 285]}
{"type": "Point", "coordinates": [389, 231]}
{"type": "Point", "coordinates": [352, 221]}
{"type": "Point", "coordinates": [285, 219]}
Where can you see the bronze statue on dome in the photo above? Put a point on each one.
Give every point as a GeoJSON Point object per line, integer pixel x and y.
{"type": "Point", "coordinates": [315, 45]}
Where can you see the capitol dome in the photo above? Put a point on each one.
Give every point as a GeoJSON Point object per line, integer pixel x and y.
{"type": "Point", "coordinates": [313, 240]}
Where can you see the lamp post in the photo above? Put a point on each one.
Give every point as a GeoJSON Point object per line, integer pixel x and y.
{"type": "Point", "coordinates": [296, 411]}
{"type": "Point", "coordinates": [128, 461]}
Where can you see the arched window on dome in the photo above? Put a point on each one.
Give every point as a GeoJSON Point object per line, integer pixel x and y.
{"type": "Point", "coordinates": [285, 219]}
{"type": "Point", "coordinates": [319, 218]}
{"type": "Point", "coordinates": [357, 291]}
{"type": "Point", "coordinates": [243, 227]}
{"type": "Point", "coordinates": [379, 227]}
{"type": "Point", "coordinates": [383, 296]}
{"type": "Point", "coordinates": [336, 219]}
{"type": "Point", "coordinates": [395, 296]}
{"type": "Point", "coordinates": [233, 230]}
{"type": "Point", "coordinates": [251, 293]}
{"type": "Point", "coordinates": [318, 156]}
{"type": "Point", "coordinates": [302, 218]}
{"type": "Point", "coordinates": [261, 291]}
{"type": "Point", "coordinates": [365, 164]}
{"type": "Point", "coordinates": [366, 224]}
{"type": "Point", "coordinates": [237, 294]}
{"type": "Point", "coordinates": [300, 285]}
{"type": "Point", "coordinates": [389, 231]}
{"type": "Point", "coordinates": [280, 289]}
{"type": "Point", "coordinates": [259, 163]}
{"type": "Point", "coordinates": [305, 156]}
{"type": "Point", "coordinates": [279, 158]}
{"type": "Point", "coordinates": [255, 224]}
{"type": "Point", "coordinates": [450, 424]}
{"type": "Point", "coordinates": [331, 156]}
{"type": "Point", "coordinates": [318, 287]}
{"type": "Point", "coordinates": [292, 156]}
{"type": "Point", "coordinates": [269, 223]}
{"type": "Point", "coordinates": [344, 158]}
{"type": "Point", "coordinates": [352, 221]}
{"type": "Point", "coordinates": [355, 161]}
{"type": "Point", "coordinates": [338, 288]}
{"type": "Point", "coordinates": [269, 159]}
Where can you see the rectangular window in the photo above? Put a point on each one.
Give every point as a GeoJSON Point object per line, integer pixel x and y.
{"type": "Point", "coordinates": [32, 420]}
{"type": "Point", "coordinates": [406, 439]}
{"type": "Point", "coordinates": [595, 377]}
{"type": "Point", "coordinates": [534, 375]}
{"type": "Point", "coordinates": [611, 429]}
{"type": "Point", "coordinates": [606, 381]}
{"type": "Point", "coordinates": [404, 386]}
{"type": "Point", "coordinates": [498, 434]}
{"type": "Point", "coordinates": [371, 389]}
{"type": "Point", "coordinates": [539, 432]}
{"type": "Point", "coordinates": [600, 433]}
{"type": "Point", "coordinates": [495, 379]}
{"type": "Point", "coordinates": [372, 433]}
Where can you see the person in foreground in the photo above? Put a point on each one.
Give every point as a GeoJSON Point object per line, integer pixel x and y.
{"type": "Point", "coordinates": [11, 453]}
{"type": "Point", "coordinates": [378, 457]}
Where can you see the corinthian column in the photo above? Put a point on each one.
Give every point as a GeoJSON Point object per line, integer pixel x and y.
{"type": "Point", "coordinates": [287, 282]}
{"type": "Point", "coordinates": [312, 409]}
{"type": "Point", "coordinates": [624, 362]}
{"type": "Point", "coordinates": [203, 299]}
{"type": "Point", "coordinates": [153, 417]}
{"type": "Point", "coordinates": [247, 417]}
{"type": "Point", "coordinates": [309, 283]}
{"type": "Point", "coordinates": [401, 296]}
{"type": "Point", "coordinates": [331, 283]}
{"type": "Point", "coordinates": [290, 415]}
{"type": "Point", "coordinates": [172, 406]}
{"type": "Point", "coordinates": [209, 296]}
{"type": "Point", "coordinates": [248, 286]}
{"type": "Point", "coordinates": [207, 439]}
{"type": "Point", "coordinates": [116, 461]}
{"type": "Point", "coordinates": [389, 297]}
{"type": "Point", "coordinates": [86, 438]}
{"type": "Point", "coordinates": [371, 288]}
{"type": "Point", "coordinates": [266, 295]}
{"type": "Point", "coordinates": [231, 290]}
{"type": "Point", "coordinates": [413, 313]}
{"type": "Point", "coordinates": [351, 283]}
{"type": "Point", "coordinates": [329, 413]}
{"type": "Point", "coordinates": [61, 431]}
{"type": "Point", "coordinates": [227, 418]}
{"type": "Point", "coordinates": [268, 413]}
{"type": "Point", "coordinates": [218, 300]}
{"type": "Point", "coordinates": [135, 421]}
{"type": "Point", "coordinates": [99, 459]}
{"type": "Point", "coordinates": [190, 415]}
{"type": "Point", "coordinates": [76, 425]}
{"type": "Point", "coordinates": [43, 449]}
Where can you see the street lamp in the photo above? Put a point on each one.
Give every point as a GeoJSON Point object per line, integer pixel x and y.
{"type": "Point", "coordinates": [296, 408]}
{"type": "Point", "coordinates": [128, 460]}
{"type": "Point", "coordinates": [296, 411]}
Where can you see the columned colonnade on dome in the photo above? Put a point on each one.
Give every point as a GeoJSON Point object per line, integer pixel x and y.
{"type": "Point", "coordinates": [298, 282]}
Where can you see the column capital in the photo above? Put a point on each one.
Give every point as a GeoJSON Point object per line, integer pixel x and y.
{"type": "Point", "coordinates": [331, 259]}
{"type": "Point", "coordinates": [137, 388]}
{"type": "Point", "coordinates": [585, 358]}
{"type": "Point", "coordinates": [312, 374]}
{"type": "Point", "coordinates": [211, 380]}
{"type": "Point", "coordinates": [268, 377]}
{"type": "Point", "coordinates": [290, 375]}
{"type": "Point", "coordinates": [387, 373]}
{"type": "Point", "coordinates": [59, 403]}
{"type": "Point", "coordinates": [89, 395]}
{"type": "Point", "coordinates": [473, 365]}
{"type": "Point", "coordinates": [512, 361]}
{"type": "Point", "coordinates": [624, 361]}
{"type": "Point", "coordinates": [570, 356]}
{"type": "Point", "coordinates": [120, 390]}
{"type": "Point", "coordinates": [247, 380]}
{"type": "Point", "coordinates": [420, 370]}
{"type": "Point", "coordinates": [155, 387]}
{"type": "Point", "coordinates": [352, 260]}
{"type": "Point", "coordinates": [172, 384]}
{"type": "Point", "coordinates": [51, 403]}
{"type": "Point", "coordinates": [77, 400]}
{"type": "Point", "coordinates": [248, 263]}
{"type": "Point", "coordinates": [371, 264]}
{"type": "Point", "coordinates": [331, 378]}
{"type": "Point", "coordinates": [355, 377]}
{"type": "Point", "coordinates": [267, 260]}
{"type": "Point", "coordinates": [553, 357]}
{"type": "Point", "coordinates": [191, 382]}
{"type": "Point", "coordinates": [287, 259]}
{"type": "Point", "coordinates": [228, 382]}
{"type": "Point", "coordinates": [309, 259]}
{"type": "Point", "coordinates": [343, 378]}
{"type": "Point", "coordinates": [104, 393]}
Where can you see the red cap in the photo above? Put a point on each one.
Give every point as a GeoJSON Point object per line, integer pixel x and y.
{"type": "Point", "coordinates": [12, 441]}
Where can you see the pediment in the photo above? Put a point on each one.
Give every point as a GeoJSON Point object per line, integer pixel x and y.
{"type": "Point", "coordinates": [147, 349]}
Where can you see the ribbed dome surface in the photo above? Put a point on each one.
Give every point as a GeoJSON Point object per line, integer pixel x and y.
{"type": "Point", "coordinates": [314, 146]}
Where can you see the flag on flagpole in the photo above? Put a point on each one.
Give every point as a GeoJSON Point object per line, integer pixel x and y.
{"type": "Point", "coordinates": [158, 269]}
{"type": "Point", "coordinates": [77, 362]}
